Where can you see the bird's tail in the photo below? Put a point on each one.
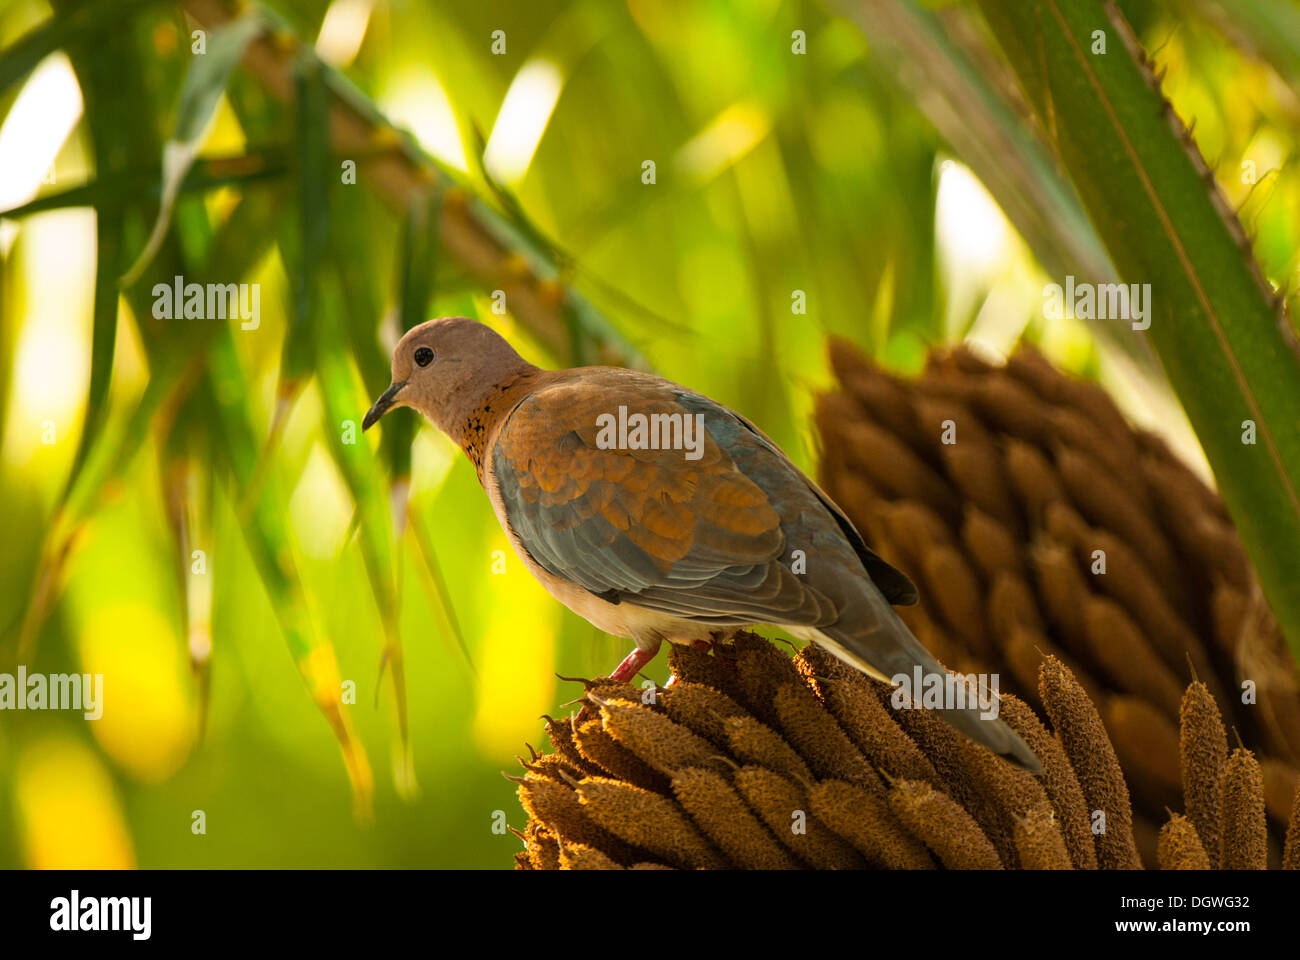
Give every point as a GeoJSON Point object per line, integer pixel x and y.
{"type": "Point", "coordinates": [884, 648]}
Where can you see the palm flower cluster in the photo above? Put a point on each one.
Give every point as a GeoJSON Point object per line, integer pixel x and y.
{"type": "Point", "coordinates": [753, 759]}
{"type": "Point", "coordinates": [1037, 522]}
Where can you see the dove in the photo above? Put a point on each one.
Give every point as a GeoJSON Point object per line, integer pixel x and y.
{"type": "Point", "coordinates": [658, 514]}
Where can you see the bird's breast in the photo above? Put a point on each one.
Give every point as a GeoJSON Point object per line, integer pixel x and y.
{"type": "Point", "coordinates": [624, 619]}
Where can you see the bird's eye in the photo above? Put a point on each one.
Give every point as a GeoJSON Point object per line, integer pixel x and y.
{"type": "Point", "coordinates": [424, 356]}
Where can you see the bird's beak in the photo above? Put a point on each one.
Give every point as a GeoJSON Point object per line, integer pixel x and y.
{"type": "Point", "coordinates": [381, 405]}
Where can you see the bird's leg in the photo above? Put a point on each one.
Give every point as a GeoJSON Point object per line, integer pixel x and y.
{"type": "Point", "coordinates": [623, 673]}
{"type": "Point", "coordinates": [633, 663]}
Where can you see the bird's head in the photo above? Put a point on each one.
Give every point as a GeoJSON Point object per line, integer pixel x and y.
{"type": "Point", "coordinates": [444, 368]}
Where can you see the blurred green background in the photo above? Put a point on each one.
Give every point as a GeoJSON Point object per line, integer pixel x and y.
{"type": "Point", "coordinates": [796, 194]}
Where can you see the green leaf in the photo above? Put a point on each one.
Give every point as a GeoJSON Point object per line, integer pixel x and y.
{"type": "Point", "coordinates": [417, 255]}
{"type": "Point", "coordinates": [1265, 26]}
{"type": "Point", "coordinates": [975, 116]}
{"type": "Point", "coordinates": [311, 128]}
{"type": "Point", "coordinates": [80, 25]}
{"type": "Point", "coordinates": [365, 483]}
{"type": "Point", "coordinates": [1219, 330]}
{"type": "Point", "coordinates": [225, 394]}
{"type": "Point", "coordinates": [205, 81]}
{"type": "Point", "coordinates": [206, 174]}
{"type": "Point", "coordinates": [177, 363]}
{"type": "Point", "coordinates": [316, 337]}
{"type": "Point", "coordinates": [469, 231]}
{"type": "Point", "coordinates": [303, 244]}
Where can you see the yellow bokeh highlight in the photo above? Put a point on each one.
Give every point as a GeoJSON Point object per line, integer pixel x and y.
{"type": "Point", "coordinates": [517, 656]}
{"type": "Point", "coordinates": [68, 814]}
{"type": "Point", "coordinates": [320, 668]}
{"type": "Point", "coordinates": [725, 141]}
{"type": "Point", "coordinates": [51, 361]}
{"type": "Point", "coordinates": [149, 721]}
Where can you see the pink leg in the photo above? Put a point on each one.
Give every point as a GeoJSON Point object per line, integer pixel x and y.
{"type": "Point", "coordinates": [632, 664]}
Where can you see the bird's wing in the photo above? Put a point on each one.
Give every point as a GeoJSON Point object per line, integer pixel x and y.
{"type": "Point", "coordinates": [893, 583]}
{"type": "Point", "coordinates": [704, 539]}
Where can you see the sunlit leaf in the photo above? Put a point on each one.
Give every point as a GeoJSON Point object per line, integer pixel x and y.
{"type": "Point", "coordinates": [1220, 331]}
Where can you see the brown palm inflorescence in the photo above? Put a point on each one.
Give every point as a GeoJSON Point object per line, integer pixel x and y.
{"type": "Point", "coordinates": [1036, 521]}
{"type": "Point", "coordinates": [751, 759]}
{"type": "Point", "coordinates": [1055, 547]}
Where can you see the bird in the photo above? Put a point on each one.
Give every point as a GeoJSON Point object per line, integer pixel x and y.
{"type": "Point", "coordinates": [656, 513]}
